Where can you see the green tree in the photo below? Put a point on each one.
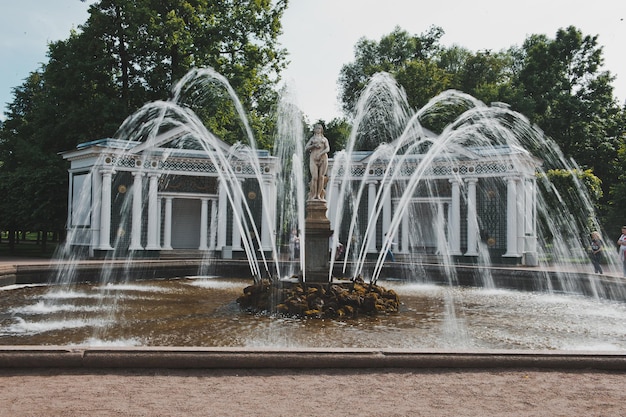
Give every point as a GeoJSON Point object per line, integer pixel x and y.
{"type": "Point", "coordinates": [31, 177]}
{"type": "Point", "coordinates": [570, 97]}
{"type": "Point", "coordinates": [337, 132]}
{"type": "Point", "coordinates": [566, 93]}
{"type": "Point", "coordinates": [127, 53]}
{"type": "Point", "coordinates": [572, 187]}
{"type": "Point", "coordinates": [154, 43]}
{"type": "Point", "coordinates": [424, 69]}
{"type": "Point", "coordinates": [487, 76]}
{"type": "Point", "coordinates": [403, 56]}
{"type": "Point", "coordinates": [615, 216]}
{"type": "Point", "coordinates": [557, 83]}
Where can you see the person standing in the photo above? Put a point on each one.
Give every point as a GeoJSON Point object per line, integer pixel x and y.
{"type": "Point", "coordinates": [596, 252]}
{"type": "Point", "coordinates": [621, 242]}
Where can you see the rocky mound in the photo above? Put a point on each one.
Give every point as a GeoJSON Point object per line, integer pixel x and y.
{"type": "Point", "coordinates": [334, 300]}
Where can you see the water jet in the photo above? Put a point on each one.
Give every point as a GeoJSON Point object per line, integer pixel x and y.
{"type": "Point", "coordinates": [468, 212]}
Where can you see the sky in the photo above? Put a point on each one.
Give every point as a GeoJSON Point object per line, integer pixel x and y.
{"type": "Point", "coordinates": [320, 35]}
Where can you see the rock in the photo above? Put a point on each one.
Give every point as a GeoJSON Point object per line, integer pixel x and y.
{"type": "Point", "coordinates": [334, 301]}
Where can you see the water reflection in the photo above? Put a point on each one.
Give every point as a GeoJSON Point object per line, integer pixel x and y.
{"type": "Point", "coordinates": [201, 311]}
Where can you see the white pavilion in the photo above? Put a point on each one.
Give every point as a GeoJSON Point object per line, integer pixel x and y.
{"type": "Point", "coordinates": [153, 199]}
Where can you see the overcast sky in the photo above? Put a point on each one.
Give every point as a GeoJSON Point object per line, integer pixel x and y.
{"type": "Point", "coordinates": [320, 35]}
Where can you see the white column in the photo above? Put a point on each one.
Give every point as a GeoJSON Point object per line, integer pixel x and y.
{"type": "Point", "coordinates": [472, 218]}
{"type": "Point", "coordinates": [105, 212]}
{"type": "Point", "coordinates": [268, 226]}
{"type": "Point", "coordinates": [236, 233]}
{"type": "Point", "coordinates": [152, 212]}
{"type": "Point", "coordinates": [222, 215]}
{"type": "Point", "coordinates": [511, 218]}
{"type": "Point", "coordinates": [386, 210]}
{"type": "Point", "coordinates": [530, 231]}
{"type": "Point", "coordinates": [159, 214]}
{"type": "Point", "coordinates": [371, 208]}
{"type": "Point", "coordinates": [213, 227]}
{"type": "Point", "coordinates": [135, 238]}
{"type": "Point", "coordinates": [454, 224]}
{"type": "Point", "coordinates": [332, 204]}
{"type": "Point", "coordinates": [521, 204]}
{"type": "Point", "coordinates": [404, 223]}
{"type": "Point", "coordinates": [204, 214]}
{"type": "Point", "coordinates": [439, 229]}
{"type": "Point", "coordinates": [530, 226]}
{"type": "Point", "coordinates": [167, 224]}
{"type": "Point", "coordinates": [96, 211]}
{"type": "Point", "coordinates": [70, 197]}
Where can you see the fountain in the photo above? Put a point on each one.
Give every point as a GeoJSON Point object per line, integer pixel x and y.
{"type": "Point", "coordinates": [470, 214]}
{"type": "Point", "coordinates": [311, 298]}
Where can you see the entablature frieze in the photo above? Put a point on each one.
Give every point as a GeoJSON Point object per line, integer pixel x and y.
{"type": "Point", "coordinates": [404, 171]}
{"type": "Point", "coordinates": [183, 165]}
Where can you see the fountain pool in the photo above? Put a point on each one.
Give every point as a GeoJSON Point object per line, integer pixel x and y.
{"type": "Point", "coordinates": [473, 193]}
{"type": "Point", "coordinates": [201, 311]}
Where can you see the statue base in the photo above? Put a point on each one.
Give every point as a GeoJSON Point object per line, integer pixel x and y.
{"type": "Point", "coordinates": [316, 250]}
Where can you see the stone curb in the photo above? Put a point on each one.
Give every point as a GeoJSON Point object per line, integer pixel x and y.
{"type": "Point", "coordinates": [31, 357]}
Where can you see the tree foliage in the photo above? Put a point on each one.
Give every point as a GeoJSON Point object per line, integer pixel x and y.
{"type": "Point", "coordinates": [127, 53]}
{"type": "Point", "coordinates": [570, 97]}
{"type": "Point", "coordinates": [566, 93]}
{"type": "Point", "coordinates": [557, 83]}
{"type": "Point", "coordinates": [130, 52]}
{"type": "Point", "coordinates": [401, 54]}
{"type": "Point", "coordinates": [152, 44]}
{"type": "Point", "coordinates": [562, 192]}
{"type": "Point", "coordinates": [337, 132]}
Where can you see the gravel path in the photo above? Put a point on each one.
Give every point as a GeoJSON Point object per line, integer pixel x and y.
{"type": "Point", "coordinates": [302, 392]}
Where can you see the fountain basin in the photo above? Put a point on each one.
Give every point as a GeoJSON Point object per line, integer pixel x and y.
{"type": "Point", "coordinates": [574, 281]}
{"type": "Point", "coordinates": [201, 312]}
{"type": "Point", "coordinates": [14, 357]}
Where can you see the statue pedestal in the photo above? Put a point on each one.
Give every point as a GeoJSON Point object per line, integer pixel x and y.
{"type": "Point", "coordinates": [316, 250]}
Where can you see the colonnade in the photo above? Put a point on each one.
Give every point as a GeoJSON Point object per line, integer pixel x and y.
{"type": "Point", "coordinates": [520, 216]}
{"type": "Point", "coordinates": [162, 203]}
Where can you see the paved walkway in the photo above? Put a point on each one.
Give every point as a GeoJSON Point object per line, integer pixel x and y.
{"type": "Point", "coordinates": [294, 393]}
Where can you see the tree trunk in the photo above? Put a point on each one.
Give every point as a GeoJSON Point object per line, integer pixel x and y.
{"type": "Point", "coordinates": [11, 240]}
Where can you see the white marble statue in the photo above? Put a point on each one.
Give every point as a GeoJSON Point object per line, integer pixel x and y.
{"type": "Point", "coordinates": [318, 147]}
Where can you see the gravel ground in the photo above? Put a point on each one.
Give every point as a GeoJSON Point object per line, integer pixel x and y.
{"type": "Point", "coordinates": [311, 392]}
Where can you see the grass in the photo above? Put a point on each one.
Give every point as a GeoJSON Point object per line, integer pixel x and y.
{"type": "Point", "coordinates": [28, 248]}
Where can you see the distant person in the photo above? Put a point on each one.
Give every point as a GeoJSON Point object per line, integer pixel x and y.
{"type": "Point", "coordinates": [295, 245]}
{"type": "Point", "coordinates": [340, 250]}
{"type": "Point", "coordinates": [596, 252]}
{"type": "Point", "coordinates": [621, 242]}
